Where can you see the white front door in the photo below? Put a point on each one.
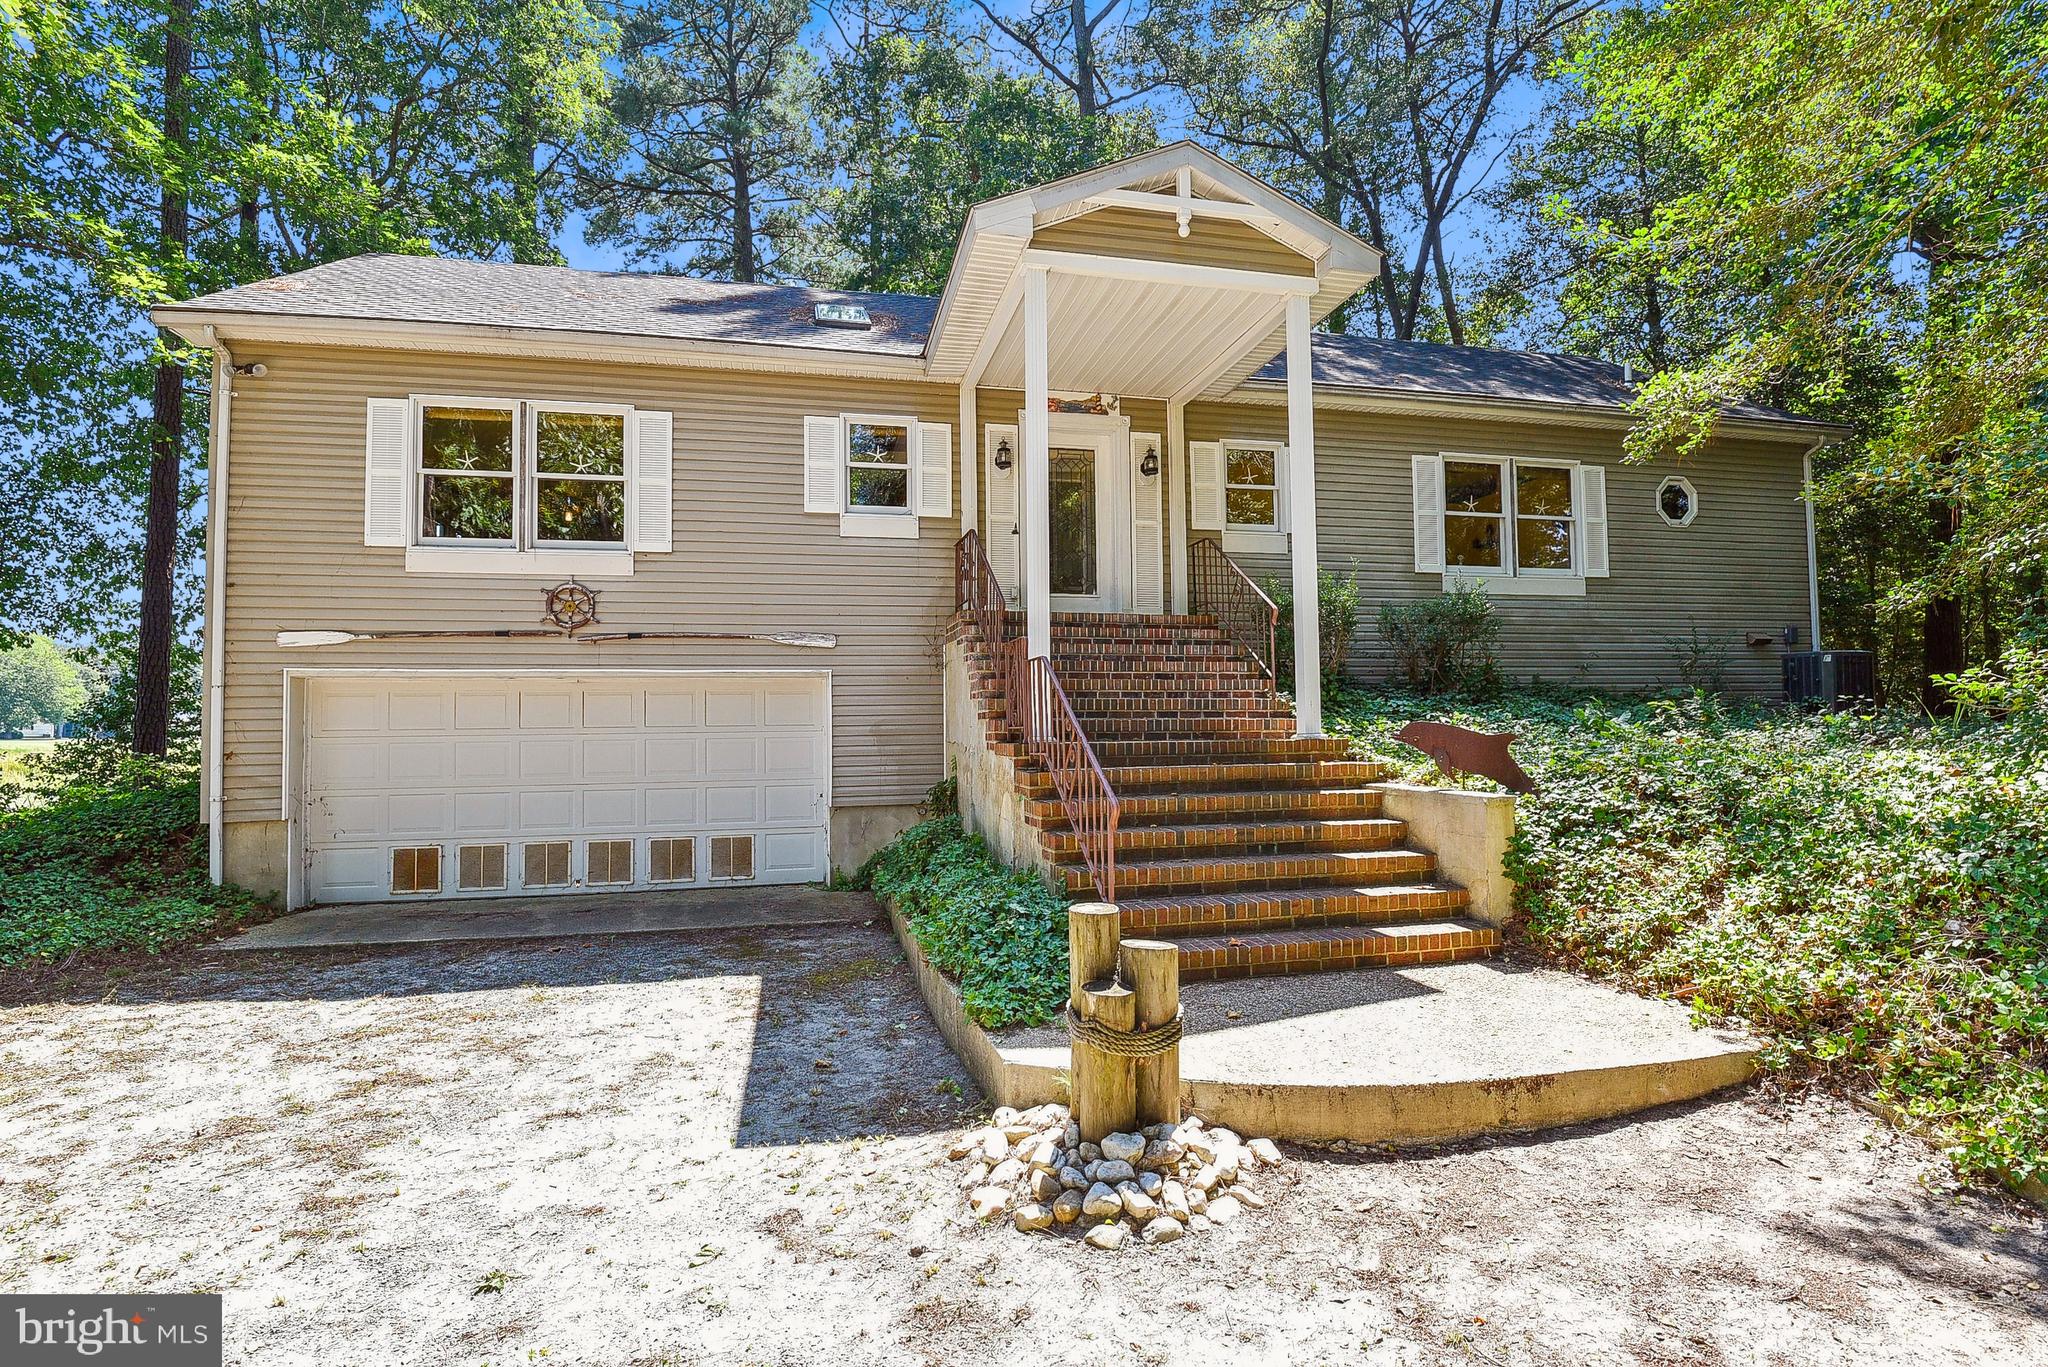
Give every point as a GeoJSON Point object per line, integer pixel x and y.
{"type": "Point", "coordinates": [477, 785]}
{"type": "Point", "coordinates": [1089, 523]}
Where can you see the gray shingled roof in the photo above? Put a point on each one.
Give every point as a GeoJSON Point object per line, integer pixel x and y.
{"type": "Point", "coordinates": [1470, 372]}
{"type": "Point", "coordinates": [429, 289]}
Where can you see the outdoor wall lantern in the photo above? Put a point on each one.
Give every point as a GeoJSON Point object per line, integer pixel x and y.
{"type": "Point", "coordinates": [1003, 454]}
{"type": "Point", "coordinates": [1149, 466]}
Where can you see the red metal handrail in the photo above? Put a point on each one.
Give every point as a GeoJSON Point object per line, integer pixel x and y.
{"type": "Point", "coordinates": [1036, 705]}
{"type": "Point", "coordinates": [1053, 734]}
{"type": "Point", "coordinates": [1241, 608]}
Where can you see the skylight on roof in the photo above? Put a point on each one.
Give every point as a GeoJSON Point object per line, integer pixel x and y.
{"type": "Point", "coordinates": [841, 316]}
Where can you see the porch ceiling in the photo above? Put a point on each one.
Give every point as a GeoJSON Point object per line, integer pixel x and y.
{"type": "Point", "coordinates": [1137, 337]}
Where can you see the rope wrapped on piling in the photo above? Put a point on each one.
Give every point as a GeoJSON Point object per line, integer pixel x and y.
{"type": "Point", "coordinates": [1150, 1042]}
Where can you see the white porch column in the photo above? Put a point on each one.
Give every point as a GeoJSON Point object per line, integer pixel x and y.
{"type": "Point", "coordinates": [970, 463]}
{"type": "Point", "coordinates": [1034, 496]}
{"type": "Point", "coordinates": [1301, 522]}
{"type": "Point", "coordinates": [1177, 503]}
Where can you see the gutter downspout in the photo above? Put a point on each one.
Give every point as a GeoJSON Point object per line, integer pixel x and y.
{"type": "Point", "coordinates": [216, 597]}
{"type": "Point", "coordinates": [1812, 553]}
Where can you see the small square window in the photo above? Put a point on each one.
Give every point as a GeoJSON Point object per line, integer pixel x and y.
{"type": "Point", "coordinates": [416, 868]}
{"type": "Point", "coordinates": [732, 856]}
{"type": "Point", "coordinates": [546, 864]}
{"type": "Point", "coordinates": [480, 868]}
{"type": "Point", "coordinates": [672, 860]}
{"type": "Point", "coordinates": [608, 862]}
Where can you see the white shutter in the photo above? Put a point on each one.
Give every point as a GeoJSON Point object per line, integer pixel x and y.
{"type": "Point", "coordinates": [934, 469]}
{"type": "Point", "coordinates": [1148, 582]}
{"type": "Point", "coordinates": [1589, 496]}
{"type": "Point", "coordinates": [1426, 482]}
{"type": "Point", "coordinates": [1283, 492]}
{"type": "Point", "coordinates": [653, 480]}
{"type": "Point", "coordinates": [387, 473]}
{"type": "Point", "coordinates": [824, 445]}
{"type": "Point", "coordinates": [1001, 497]}
{"type": "Point", "coordinates": [1205, 486]}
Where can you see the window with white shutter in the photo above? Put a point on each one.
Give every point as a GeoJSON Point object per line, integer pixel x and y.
{"type": "Point", "coordinates": [878, 473]}
{"type": "Point", "coordinates": [934, 469]}
{"type": "Point", "coordinates": [1426, 488]}
{"type": "Point", "coordinates": [1148, 541]}
{"type": "Point", "coordinates": [1515, 524]}
{"type": "Point", "coordinates": [471, 485]}
{"type": "Point", "coordinates": [1205, 486]}
{"type": "Point", "coordinates": [999, 483]}
{"type": "Point", "coordinates": [387, 473]}
{"type": "Point", "coordinates": [652, 497]}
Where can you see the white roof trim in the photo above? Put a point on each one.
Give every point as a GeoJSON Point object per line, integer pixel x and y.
{"type": "Point", "coordinates": [561, 343]}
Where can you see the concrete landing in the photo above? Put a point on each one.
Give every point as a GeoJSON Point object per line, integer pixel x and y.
{"type": "Point", "coordinates": [523, 918]}
{"type": "Point", "coordinates": [1406, 1055]}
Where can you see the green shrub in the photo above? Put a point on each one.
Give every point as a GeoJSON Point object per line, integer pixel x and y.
{"type": "Point", "coordinates": [76, 768]}
{"type": "Point", "coordinates": [100, 870]}
{"type": "Point", "coordinates": [1445, 644]}
{"type": "Point", "coordinates": [1001, 933]}
{"type": "Point", "coordinates": [1870, 893]}
{"type": "Point", "coordinates": [1337, 603]}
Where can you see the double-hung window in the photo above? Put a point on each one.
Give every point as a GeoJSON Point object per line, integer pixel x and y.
{"type": "Point", "coordinates": [490, 485]}
{"type": "Point", "coordinates": [1239, 488]}
{"type": "Point", "coordinates": [877, 473]}
{"type": "Point", "coordinates": [878, 465]}
{"type": "Point", "coordinates": [1251, 487]}
{"type": "Point", "coordinates": [521, 476]}
{"type": "Point", "coordinates": [1510, 521]}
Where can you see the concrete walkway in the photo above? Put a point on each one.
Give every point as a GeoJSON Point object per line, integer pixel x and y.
{"type": "Point", "coordinates": [526, 918]}
{"type": "Point", "coordinates": [1411, 1055]}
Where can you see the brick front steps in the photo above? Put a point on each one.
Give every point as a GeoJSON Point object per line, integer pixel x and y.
{"type": "Point", "coordinates": [1258, 854]}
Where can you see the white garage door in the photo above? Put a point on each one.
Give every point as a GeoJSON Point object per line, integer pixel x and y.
{"type": "Point", "coordinates": [489, 787]}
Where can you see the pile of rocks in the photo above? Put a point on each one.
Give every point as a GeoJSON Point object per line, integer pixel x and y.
{"type": "Point", "coordinates": [1158, 1184]}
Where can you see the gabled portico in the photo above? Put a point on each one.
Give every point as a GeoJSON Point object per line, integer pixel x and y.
{"type": "Point", "coordinates": [1167, 278]}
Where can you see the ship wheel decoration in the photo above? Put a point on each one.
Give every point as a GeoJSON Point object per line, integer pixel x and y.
{"type": "Point", "coordinates": [570, 606]}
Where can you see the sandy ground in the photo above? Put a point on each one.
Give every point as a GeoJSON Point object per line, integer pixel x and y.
{"type": "Point", "coordinates": [727, 1147]}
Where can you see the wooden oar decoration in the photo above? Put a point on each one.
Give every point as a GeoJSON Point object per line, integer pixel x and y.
{"type": "Point", "coordinates": [342, 638]}
{"type": "Point", "coordinates": [809, 640]}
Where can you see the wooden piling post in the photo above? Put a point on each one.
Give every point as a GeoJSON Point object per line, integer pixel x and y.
{"type": "Point", "coordinates": [1152, 968]}
{"type": "Point", "coordinates": [1101, 1087]}
{"type": "Point", "coordinates": [1106, 1087]}
{"type": "Point", "coordinates": [1092, 935]}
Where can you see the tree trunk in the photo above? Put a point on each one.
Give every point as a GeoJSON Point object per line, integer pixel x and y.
{"type": "Point", "coordinates": [1656, 347]}
{"type": "Point", "coordinates": [1084, 57]}
{"type": "Point", "coordinates": [167, 414]}
{"type": "Point", "coordinates": [1454, 324]}
{"type": "Point", "coordinates": [743, 264]}
{"type": "Point", "coordinates": [1943, 648]}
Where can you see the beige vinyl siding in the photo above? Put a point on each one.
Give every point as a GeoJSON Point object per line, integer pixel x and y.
{"type": "Point", "coordinates": [1740, 567]}
{"type": "Point", "coordinates": [1156, 236]}
{"type": "Point", "coordinates": [746, 558]}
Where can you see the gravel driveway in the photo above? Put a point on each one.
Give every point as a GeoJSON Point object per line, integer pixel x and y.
{"type": "Point", "coordinates": [726, 1147]}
